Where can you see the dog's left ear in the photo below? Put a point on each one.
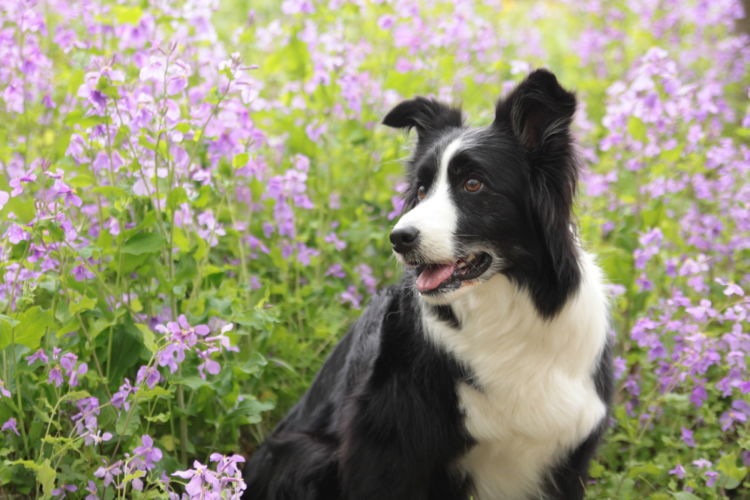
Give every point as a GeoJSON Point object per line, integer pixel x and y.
{"type": "Point", "coordinates": [538, 110]}
{"type": "Point", "coordinates": [426, 115]}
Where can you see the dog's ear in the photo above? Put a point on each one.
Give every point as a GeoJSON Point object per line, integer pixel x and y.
{"type": "Point", "coordinates": [538, 110]}
{"type": "Point", "coordinates": [426, 115]}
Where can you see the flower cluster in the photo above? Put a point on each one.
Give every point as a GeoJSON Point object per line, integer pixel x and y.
{"type": "Point", "coordinates": [191, 191]}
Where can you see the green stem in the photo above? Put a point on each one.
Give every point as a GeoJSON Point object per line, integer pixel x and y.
{"type": "Point", "coordinates": [183, 423]}
{"type": "Point", "coordinates": [19, 399]}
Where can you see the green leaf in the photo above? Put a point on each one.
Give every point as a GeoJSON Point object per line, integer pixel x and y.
{"type": "Point", "coordinates": [45, 475]}
{"type": "Point", "coordinates": [596, 470]}
{"type": "Point", "coordinates": [637, 129]}
{"type": "Point", "coordinates": [10, 321]}
{"type": "Point", "coordinates": [177, 196]}
{"type": "Point", "coordinates": [81, 181]}
{"type": "Point", "coordinates": [128, 422]}
{"type": "Point", "coordinates": [143, 243]}
{"type": "Point", "coordinates": [160, 418]}
{"type": "Point", "coordinates": [149, 340]}
{"type": "Point", "coordinates": [183, 127]}
{"type": "Point", "coordinates": [111, 192]}
{"type": "Point", "coordinates": [240, 160]}
{"type": "Point", "coordinates": [127, 343]}
{"type": "Point", "coordinates": [80, 118]}
{"type": "Point", "coordinates": [148, 394]}
{"type": "Point", "coordinates": [134, 475]}
{"type": "Point", "coordinates": [31, 327]}
{"type": "Point", "coordinates": [685, 495]}
{"type": "Point", "coordinates": [75, 396]}
{"type": "Point", "coordinates": [194, 382]}
{"type": "Point", "coordinates": [127, 15]}
{"type": "Point", "coordinates": [731, 475]}
{"type": "Point", "coordinates": [644, 469]}
{"type": "Point", "coordinates": [248, 411]}
{"type": "Point", "coordinates": [204, 197]}
{"type": "Point", "coordinates": [82, 303]}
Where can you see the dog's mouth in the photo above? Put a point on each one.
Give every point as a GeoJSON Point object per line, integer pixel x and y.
{"type": "Point", "coordinates": [437, 278]}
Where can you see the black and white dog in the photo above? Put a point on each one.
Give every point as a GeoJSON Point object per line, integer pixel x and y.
{"type": "Point", "coordinates": [485, 373]}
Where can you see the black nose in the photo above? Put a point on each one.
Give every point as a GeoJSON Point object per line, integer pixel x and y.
{"type": "Point", "coordinates": [405, 239]}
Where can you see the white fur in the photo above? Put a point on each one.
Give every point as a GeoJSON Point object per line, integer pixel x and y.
{"type": "Point", "coordinates": [436, 216]}
{"type": "Point", "coordinates": [537, 398]}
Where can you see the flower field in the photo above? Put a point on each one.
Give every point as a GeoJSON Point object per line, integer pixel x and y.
{"type": "Point", "coordinates": [195, 198]}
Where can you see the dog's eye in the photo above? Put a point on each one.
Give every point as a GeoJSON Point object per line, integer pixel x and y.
{"type": "Point", "coordinates": [472, 185]}
{"type": "Point", "coordinates": [421, 192]}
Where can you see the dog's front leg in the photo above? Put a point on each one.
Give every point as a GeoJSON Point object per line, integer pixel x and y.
{"type": "Point", "coordinates": [398, 446]}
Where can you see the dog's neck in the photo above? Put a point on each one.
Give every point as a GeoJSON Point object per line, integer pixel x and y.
{"type": "Point", "coordinates": [522, 372]}
{"type": "Point", "coordinates": [500, 310]}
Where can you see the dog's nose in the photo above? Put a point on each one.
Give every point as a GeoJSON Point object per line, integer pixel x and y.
{"type": "Point", "coordinates": [405, 239]}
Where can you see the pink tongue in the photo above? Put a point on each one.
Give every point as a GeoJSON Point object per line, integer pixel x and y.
{"type": "Point", "coordinates": [433, 276]}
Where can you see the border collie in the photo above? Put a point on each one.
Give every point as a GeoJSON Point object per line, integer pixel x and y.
{"type": "Point", "coordinates": [486, 372]}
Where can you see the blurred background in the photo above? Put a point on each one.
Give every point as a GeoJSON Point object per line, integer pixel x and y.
{"type": "Point", "coordinates": [196, 197]}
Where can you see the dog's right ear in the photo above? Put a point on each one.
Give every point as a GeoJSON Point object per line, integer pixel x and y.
{"type": "Point", "coordinates": [426, 115]}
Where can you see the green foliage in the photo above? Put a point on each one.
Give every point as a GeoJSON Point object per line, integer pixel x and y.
{"type": "Point", "coordinates": [253, 197]}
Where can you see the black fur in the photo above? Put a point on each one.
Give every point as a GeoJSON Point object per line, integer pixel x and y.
{"type": "Point", "coordinates": [568, 479]}
{"type": "Point", "coordinates": [382, 418]}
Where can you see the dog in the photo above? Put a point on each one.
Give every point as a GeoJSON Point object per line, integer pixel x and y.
{"type": "Point", "coordinates": [486, 372]}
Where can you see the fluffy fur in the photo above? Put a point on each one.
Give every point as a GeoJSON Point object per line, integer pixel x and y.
{"type": "Point", "coordinates": [486, 371]}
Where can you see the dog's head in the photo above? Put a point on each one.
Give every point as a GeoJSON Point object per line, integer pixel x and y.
{"type": "Point", "coordinates": [490, 200]}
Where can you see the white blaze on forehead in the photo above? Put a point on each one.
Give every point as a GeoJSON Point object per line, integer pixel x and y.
{"type": "Point", "coordinates": [435, 217]}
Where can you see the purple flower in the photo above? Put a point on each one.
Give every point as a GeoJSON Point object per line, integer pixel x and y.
{"type": "Point", "coordinates": [367, 278]}
{"type": "Point", "coordinates": [120, 398]}
{"type": "Point", "coordinates": [731, 288]}
{"type": "Point", "coordinates": [91, 488]}
{"type": "Point", "coordinates": [739, 412]}
{"type": "Point", "coordinates": [37, 356]}
{"type": "Point", "coordinates": [398, 207]}
{"type": "Point", "coordinates": [62, 190]}
{"type": "Point", "coordinates": [620, 366]}
{"type": "Point", "coordinates": [149, 375]}
{"type": "Point", "coordinates": [227, 465]}
{"type": "Point", "coordinates": [699, 395]}
{"type": "Point", "coordinates": [336, 271]}
{"type": "Point", "coordinates": [351, 296]}
{"type": "Point", "coordinates": [108, 474]}
{"type": "Point", "coordinates": [72, 371]}
{"type": "Point", "coordinates": [85, 421]}
{"type": "Point", "coordinates": [147, 453]}
{"type": "Point", "coordinates": [82, 273]}
{"type": "Point", "coordinates": [61, 491]}
{"type": "Point", "coordinates": [202, 480]}
{"type": "Point", "coordinates": [55, 377]}
{"type": "Point", "coordinates": [208, 364]}
{"type": "Point", "coordinates": [187, 333]}
{"type": "Point", "coordinates": [229, 473]}
{"type": "Point", "coordinates": [337, 243]}
{"type": "Point", "coordinates": [687, 437]}
{"type": "Point", "coordinates": [702, 463]}
{"type": "Point", "coordinates": [304, 253]}
{"type": "Point", "coordinates": [222, 340]}
{"type": "Point", "coordinates": [711, 477]}
{"type": "Point", "coordinates": [4, 392]}
{"type": "Point", "coordinates": [10, 425]}
{"type": "Point", "coordinates": [678, 471]}
{"type": "Point", "coordinates": [16, 234]}
{"type": "Point", "coordinates": [171, 356]}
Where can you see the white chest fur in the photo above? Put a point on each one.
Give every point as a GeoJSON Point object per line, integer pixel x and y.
{"type": "Point", "coordinates": [537, 397]}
